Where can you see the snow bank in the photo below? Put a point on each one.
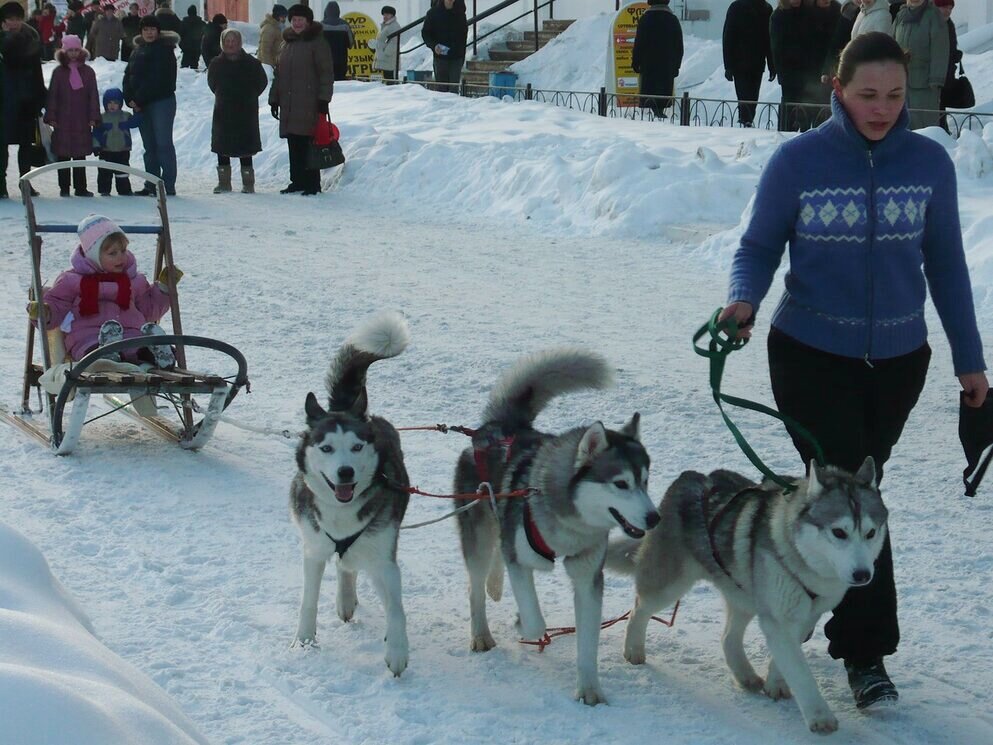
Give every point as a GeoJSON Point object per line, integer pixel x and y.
{"type": "Point", "coordinates": [58, 684]}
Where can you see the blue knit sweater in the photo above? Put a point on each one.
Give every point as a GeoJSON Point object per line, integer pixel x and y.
{"type": "Point", "coordinates": [860, 224]}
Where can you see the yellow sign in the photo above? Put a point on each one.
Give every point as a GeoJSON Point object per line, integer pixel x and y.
{"type": "Point", "coordinates": [624, 81]}
{"type": "Point", "coordinates": [360, 56]}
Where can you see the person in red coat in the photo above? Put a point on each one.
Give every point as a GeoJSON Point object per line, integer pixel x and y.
{"type": "Point", "coordinates": [73, 110]}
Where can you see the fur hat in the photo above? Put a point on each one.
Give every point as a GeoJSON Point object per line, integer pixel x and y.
{"type": "Point", "coordinates": [71, 41]}
{"type": "Point", "coordinates": [297, 10]}
{"type": "Point", "coordinates": [278, 11]}
{"type": "Point", "coordinates": [11, 10]}
{"type": "Point", "coordinates": [388, 9]}
{"type": "Point", "coordinates": [219, 19]}
{"type": "Point", "coordinates": [149, 21]}
{"type": "Point", "coordinates": [93, 230]}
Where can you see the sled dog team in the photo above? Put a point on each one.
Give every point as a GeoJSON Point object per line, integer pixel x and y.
{"type": "Point", "coordinates": [784, 557]}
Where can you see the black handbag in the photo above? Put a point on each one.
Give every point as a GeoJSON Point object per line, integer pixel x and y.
{"type": "Point", "coordinates": [959, 94]}
{"type": "Point", "coordinates": [321, 157]}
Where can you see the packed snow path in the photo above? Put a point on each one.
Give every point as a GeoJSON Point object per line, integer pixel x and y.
{"type": "Point", "coordinates": [189, 567]}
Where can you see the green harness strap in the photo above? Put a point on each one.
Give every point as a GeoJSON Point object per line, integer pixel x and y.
{"type": "Point", "coordinates": [724, 340]}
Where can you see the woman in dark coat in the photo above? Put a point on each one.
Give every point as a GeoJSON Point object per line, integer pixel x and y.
{"type": "Point", "coordinates": [237, 80]}
{"type": "Point", "coordinates": [339, 37]}
{"type": "Point", "coordinates": [191, 30]}
{"type": "Point", "coordinates": [210, 47]}
{"type": "Point", "coordinates": [789, 39]}
{"type": "Point", "coordinates": [657, 54]}
{"type": "Point", "coordinates": [23, 88]}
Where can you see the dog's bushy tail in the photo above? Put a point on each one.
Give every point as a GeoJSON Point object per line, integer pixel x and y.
{"type": "Point", "coordinates": [379, 337]}
{"type": "Point", "coordinates": [521, 393]}
{"type": "Point", "coordinates": [622, 555]}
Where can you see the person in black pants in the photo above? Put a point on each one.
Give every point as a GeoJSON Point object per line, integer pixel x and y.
{"type": "Point", "coordinates": [848, 351]}
{"type": "Point", "coordinates": [747, 53]}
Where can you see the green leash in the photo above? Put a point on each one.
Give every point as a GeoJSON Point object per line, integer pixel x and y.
{"type": "Point", "coordinates": [724, 340]}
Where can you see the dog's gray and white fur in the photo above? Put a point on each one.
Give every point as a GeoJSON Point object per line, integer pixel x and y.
{"type": "Point", "coordinates": [348, 496]}
{"type": "Point", "coordinates": [586, 481]}
{"type": "Point", "coordinates": [786, 558]}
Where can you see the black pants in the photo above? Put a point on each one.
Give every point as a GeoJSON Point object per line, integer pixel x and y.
{"type": "Point", "coordinates": [78, 178]}
{"type": "Point", "coordinates": [23, 158]}
{"type": "Point", "coordinates": [190, 59]}
{"type": "Point", "coordinates": [448, 70]}
{"type": "Point", "coordinates": [854, 411]}
{"type": "Point", "coordinates": [308, 179]}
{"type": "Point", "coordinates": [746, 88]}
{"type": "Point", "coordinates": [225, 160]}
{"type": "Point", "coordinates": [105, 176]}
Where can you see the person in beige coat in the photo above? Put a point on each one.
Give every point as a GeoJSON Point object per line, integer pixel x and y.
{"type": "Point", "coordinates": [105, 35]}
{"type": "Point", "coordinates": [385, 60]}
{"type": "Point", "coordinates": [922, 31]}
{"type": "Point", "coordinates": [301, 90]}
{"type": "Point", "coordinates": [271, 36]}
{"type": "Point", "coordinates": [874, 16]}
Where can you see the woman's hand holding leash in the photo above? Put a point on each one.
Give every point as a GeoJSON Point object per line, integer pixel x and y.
{"type": "Point", "coordinates": [743, 315]}
{"type": "Point", "coordinates": [974, 387]}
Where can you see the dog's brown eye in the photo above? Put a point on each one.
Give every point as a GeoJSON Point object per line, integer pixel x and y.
{"type": "Point", "coordinates": [621, 484]}
{"type": "Point", "coordinates": [839, 534]}
{"type": "Point", "coordinates": [357, 448]}
{"type": "Point", "coordinates": [871, 534]}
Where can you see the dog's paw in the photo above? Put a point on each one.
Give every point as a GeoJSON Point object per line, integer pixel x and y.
{"type": "Point", "coordinates": [753, 682]}
{"type": "Point", "coordinates": [532, 629]}
{"type": "Point", "coordinates": [590, 695]}
{"type": "Point", "coordinates": [482, 642]}
{"type": "Point", "coordinates": [305, 642]}
{"type": "Point", "coordinates": [634, 653]}
{"type": "Point", "coordinates": [396, 658]}
{"type": "Point", "coordinates": [822, 721]}
{"type": "Point", "coordinates": [776, 689]}
{"type": "Point", "coordinates": [346, 611]}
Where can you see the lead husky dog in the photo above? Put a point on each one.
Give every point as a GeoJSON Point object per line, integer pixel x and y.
{"type": "Point", "coordinates": [786, 558]}
{"type": "Point", "coordinates": [586, 481]}
{"type": "Point", "coordinates": [348, 497]}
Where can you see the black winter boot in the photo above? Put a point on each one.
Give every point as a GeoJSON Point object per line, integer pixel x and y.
{"type": "Point", "coordinates": [870, 683]}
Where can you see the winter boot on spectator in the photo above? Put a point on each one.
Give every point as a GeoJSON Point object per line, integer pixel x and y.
{"type": "Point", "coordinates": [223, 179]}
{"type": "Point", "coordinates": [110, 332]}
{"type": "Point", "coordinates": [869, 682]}
{"type": "Point", "coordinates": [248, 180]}
{"type": "Point", "coordinates": [65, 181]}
{"type": "Point", "coordinates": [79, 183]}
{"type": "Point", "coordinates": [165, 358]}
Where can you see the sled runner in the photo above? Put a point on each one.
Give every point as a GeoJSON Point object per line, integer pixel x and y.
{"type": "Point", "coordinates": [65, 388]}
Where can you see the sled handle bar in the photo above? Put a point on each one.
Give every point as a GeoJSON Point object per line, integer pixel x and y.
{"type": "Point", "coordinates": [90, 163]}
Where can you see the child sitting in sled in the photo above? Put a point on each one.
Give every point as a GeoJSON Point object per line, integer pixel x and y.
{"type": "Point", "coordinates": [103, 298]}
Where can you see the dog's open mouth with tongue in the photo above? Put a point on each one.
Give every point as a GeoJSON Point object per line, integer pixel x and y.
{"type": "Point", "coordinates": [627, 527]}
{"type": "Point", "coordinates": [343, 492]}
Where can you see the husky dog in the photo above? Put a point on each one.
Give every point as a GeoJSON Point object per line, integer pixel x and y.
{"type": "Point", "coordinates": [786, 558]}
{"type": "Point", "coordinates": [348, 496]}
{"type": "Point", "coordinates": [585, 481]}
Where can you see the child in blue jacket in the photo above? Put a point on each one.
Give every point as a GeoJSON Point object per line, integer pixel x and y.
{"type": "Point", "coordinates": [112, 142]}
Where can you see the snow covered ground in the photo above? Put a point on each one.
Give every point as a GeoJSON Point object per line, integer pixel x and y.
{"type": "Point", "coordinates": [497, 229]}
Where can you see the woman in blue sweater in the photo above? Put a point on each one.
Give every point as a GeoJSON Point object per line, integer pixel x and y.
{"type": "Point", "coordinates": [864, 204]}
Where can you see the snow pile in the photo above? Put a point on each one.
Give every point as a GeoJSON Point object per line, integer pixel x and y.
{"type": "Point", "coordinates": [58, 684]}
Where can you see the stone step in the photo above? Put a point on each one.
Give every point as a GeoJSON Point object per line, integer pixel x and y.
{"type": "Point", "coordinates": [487, 66]}
{"type": "Point", "coordinates": [525, 46]}
{"type": "Point", "coordinates": [542, 36]}
{"type": "Point", "coordinates": [509, 55]}
{"type": "Point", "coordinates": [558, 24]}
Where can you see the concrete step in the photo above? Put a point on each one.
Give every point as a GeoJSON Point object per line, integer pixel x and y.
{"type": "Point", "coordinates": [487, 66]}
{"type": "Point", "coordinates": [558, 24]}
{"type": "Point", "coordinates": [509, 55]}
{"type": "Point", "coordinates": [525, 46]}
{"type": "Point", "coordinates": [542, 36]}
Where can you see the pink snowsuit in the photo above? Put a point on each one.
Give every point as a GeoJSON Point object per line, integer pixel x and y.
{"type": "Point", "coordinates": [147, 303]}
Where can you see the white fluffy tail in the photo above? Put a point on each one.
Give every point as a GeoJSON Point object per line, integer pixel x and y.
{"type": "Point", "coordinates": [494, 580]}
{"type": "Point", "coordinates": [379, 337]}
{"type": "Point", "coordinates": [521, 393]}
{"type": "Point", "coordinates": [622, 555]}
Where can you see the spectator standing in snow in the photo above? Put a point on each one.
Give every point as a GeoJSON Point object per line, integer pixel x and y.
{"type": "Point", "coordinates": [822, 22]}
{"type": "Point", "coordinates": [210, 46]}
{"type": "Point", "coordinates": [874, 16]}
{"type": "Point", "coordinates": [954, 54]}
{"type": "Point", "coordinates": [840, 38]}
{"type": "Point", "coordinates": [74, 22]}
{"type": "Point", "coordinates": [150, 89]}
{"type": "Point", "coordinates": [747, 53]}
{"type": "Point", "coordinates": [168, 20]}
{"type": "Point", "coordinates": [131, 30]}
{"type": "Point", "coordinates": [657, 55]}
{"type": "Point", "coordinates": [339, 37]}
{"type": "Point", "coordinates": [789, 41]}
{"type": "Point", "coordinates": [444, 32]}
{"type": "Point", "coordinates": [72, 110]}
{"type": "Point", "coordinates": [385, 59]}
{"type": "Point", "coordinates": [46, 31]}
{"type": "Point", "coordinates": [112, 142]}
{"type": "Point", "coordinates": [106, 35]}
{"type": "Point", "coordinates": [23, 89]}
{"type": "Point", "coordinates": [922, 31]}
{"type": "Point", "coordinates": [848, 350]}
{"type": "Point", "coordinates": [301, 90]}
{"type": "Point", "coordinates": [191, 30]}
{"type": "Point", "coordinates": [271, 35]}
{"type": "Point", "coordinates": [236, 79]}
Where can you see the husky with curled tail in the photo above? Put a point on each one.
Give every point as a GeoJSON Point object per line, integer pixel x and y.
{"type": "Point", "coordinates": [349, 495]}
{"type": "Point", "coordinates": [585, 482]}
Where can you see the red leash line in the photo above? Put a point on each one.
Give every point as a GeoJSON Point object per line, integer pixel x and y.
{"type": "Point", "coordinates": [564, 630]}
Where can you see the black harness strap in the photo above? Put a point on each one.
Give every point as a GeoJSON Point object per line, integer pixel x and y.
{"type": "Point", "coordinates": [341, 545]}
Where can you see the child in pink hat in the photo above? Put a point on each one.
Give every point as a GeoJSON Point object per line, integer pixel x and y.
{"type": "Point", "coordinates": [104, 298]}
